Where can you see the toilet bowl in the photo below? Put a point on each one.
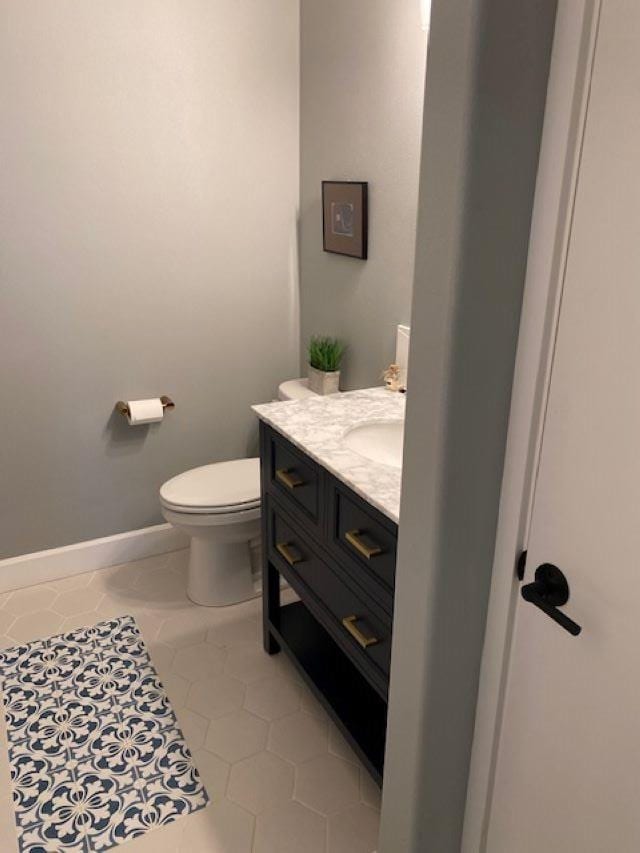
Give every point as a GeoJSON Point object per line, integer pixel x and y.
{"type": "Point", "coordinates": [218, 507]}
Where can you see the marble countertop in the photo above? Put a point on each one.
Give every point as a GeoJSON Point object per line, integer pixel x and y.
{"type": "Point", "coordinates": [317, 424]}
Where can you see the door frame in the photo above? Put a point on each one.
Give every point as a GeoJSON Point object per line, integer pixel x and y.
{"type": "Point", "coordinates": [560, 155]}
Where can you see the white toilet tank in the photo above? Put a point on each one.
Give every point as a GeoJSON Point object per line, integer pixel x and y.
{"type": "Point", "coordinates": [295, 389]}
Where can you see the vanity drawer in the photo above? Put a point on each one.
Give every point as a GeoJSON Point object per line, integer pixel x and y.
{"type": "Point", "coordinates": [361, 627]}
{"type": "Point", "coordinates": [366, 538]}
{"type": "Point", "coordinates": [293, 476]}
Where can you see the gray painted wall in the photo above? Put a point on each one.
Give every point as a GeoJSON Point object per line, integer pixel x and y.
{"type": "Point", "coordinates": [149, 175]}
{"type": "Point", "coordinates": [362, 85]}
{"type": "Point", "coordinates": [486, 88]}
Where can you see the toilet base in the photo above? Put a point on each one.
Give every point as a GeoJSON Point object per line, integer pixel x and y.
{"type": "Point", "coordinates": [220, 555]}
{"type": "Point", "coordinates": [219, 573]}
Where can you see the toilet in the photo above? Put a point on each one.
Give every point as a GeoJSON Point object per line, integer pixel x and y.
{"type": "Point", "coordinates": [218, 507]}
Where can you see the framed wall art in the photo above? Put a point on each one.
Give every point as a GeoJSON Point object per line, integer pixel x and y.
{"type": "Point", "coordinates": [345, 218]}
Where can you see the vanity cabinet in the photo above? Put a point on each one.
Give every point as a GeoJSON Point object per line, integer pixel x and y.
{"type": "Point", "coordinates": [338, 554]}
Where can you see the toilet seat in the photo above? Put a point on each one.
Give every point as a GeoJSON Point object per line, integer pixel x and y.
{"type": "Point", "coordinates": [220, 519]}
{"type": "Point", "coordinates": [222, 488]}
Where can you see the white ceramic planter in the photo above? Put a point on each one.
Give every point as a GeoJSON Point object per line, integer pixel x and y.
{"type": "Point", "coordinates": [324, 383]}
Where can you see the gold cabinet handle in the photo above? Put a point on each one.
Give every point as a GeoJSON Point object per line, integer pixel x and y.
{"type": "Point", "coordinates": [349, 623]}
{"type": "Point", "coordinates": [363, 544]}
{"type": "Point", "coordinates": [289, 552]}
{"type": "Point", "coordinates": [289, 478]}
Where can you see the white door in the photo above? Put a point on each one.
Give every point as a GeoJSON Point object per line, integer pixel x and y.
{"type": "Point", "coordinates": [568, 761]}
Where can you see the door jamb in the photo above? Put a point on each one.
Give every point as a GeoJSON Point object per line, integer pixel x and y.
{"type": "Point", "coordinates": [567, 102]}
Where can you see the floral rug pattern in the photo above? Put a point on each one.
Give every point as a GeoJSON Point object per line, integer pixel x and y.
{"type": "Point", "coordinates": [96, 754]}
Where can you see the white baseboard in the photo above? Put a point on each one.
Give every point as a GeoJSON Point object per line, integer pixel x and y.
{"type": "Point", "coordinates": [43, 566]}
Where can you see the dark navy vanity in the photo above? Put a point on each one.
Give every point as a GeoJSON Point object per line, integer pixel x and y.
{"type": "Point", "coordinates": [338, 553]}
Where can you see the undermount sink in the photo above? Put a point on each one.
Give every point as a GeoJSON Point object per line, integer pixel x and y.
{"type": "Point", "coordinates": [379, 441]}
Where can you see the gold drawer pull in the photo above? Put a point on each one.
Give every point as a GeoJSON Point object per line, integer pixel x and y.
{"type": "Point", "coordinates": [289, 478]}
{"type": "Point", "coordinates": [349, 623]}
{"type": "Point", "coordinates": [363, 544]}
{"type": "Point", "coordinates": [289, 552]}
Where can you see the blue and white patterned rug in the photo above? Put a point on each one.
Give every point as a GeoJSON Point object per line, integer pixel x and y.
{"type": "Point", "coordinates": [96, 754]}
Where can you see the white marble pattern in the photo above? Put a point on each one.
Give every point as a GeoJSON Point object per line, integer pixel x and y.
{"type": "Point", "coordinates": [317, 426]}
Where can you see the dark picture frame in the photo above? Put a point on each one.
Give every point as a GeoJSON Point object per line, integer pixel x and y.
{"type": "Point", "coordinates": [345, 218]}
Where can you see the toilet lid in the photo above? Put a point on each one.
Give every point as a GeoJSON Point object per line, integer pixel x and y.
{"type": "Point", "coordinates": [223, 485]}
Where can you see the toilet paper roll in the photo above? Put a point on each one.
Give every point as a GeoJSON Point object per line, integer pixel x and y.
{"type": "Point", "coordinates": [145, 411]}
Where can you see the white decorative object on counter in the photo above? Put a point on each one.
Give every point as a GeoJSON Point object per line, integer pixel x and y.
{"type": "Point", "coordinates": [391, 378]}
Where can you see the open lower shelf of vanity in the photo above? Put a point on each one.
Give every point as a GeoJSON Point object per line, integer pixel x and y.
{"type": "Point", "coordinates": [360, 713]}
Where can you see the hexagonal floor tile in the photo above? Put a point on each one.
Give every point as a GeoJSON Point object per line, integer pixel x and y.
{"type": "Point", "coordinates": [327, 784]}
{"type": "Point", "coordinates": [197, 663]}
{"type": "Point", "coordinates": [146, 566]}
{"type": "Point", "coordinates": [36, 626]}
{"type": "Point", "coordinates": [271, 698]}
{"type": "Point", "coordinates": [338, 745]}
{"type": "Point", "coordinates": [289, 829]}
{"type": "Point", "coordinates": [161, 585]}
{"type": "Point", "coordinates": [178, 560]}
{"type": "Point", "coordinates": [214, 772]}
{"type": "Point", "coordinates": [193, 726]}
{"type": "Point", "coordinates": [299, 737]}
{"type": "Point", "coordinates": [30, 600]}
{"type": "Point", "coordinates": [72, 582]}
{"type": "Point", "coordinates": [182, 629]}
{"type": "Point", "coordinates": [177, 688]}
{"type": "Point", "coordinates": [115, 578]}
{"type": "Point", "coordinates": [233, 631]}
{"type": "Point", "coordinates": [311, 705]}
{"type": "Point", "coordinates": [261, 782]}
{"type": "Point", "coordinates": [370, 794]}
{"type": "Point", "coordinates": [354, 830]}
{"type": "Point", "coordinates": [250, 663]}
{"type": "Point", "coordinates": [77, 600]}
{"type": "Point", "coordinates": [237, 736]}
{"type": "Point", "coordinates": [287, 670]}
{"type": "Point", "coordinates": [215, 697]}
{"type": "Point", "coordinates": [162, 657]}
{"type": "Point", "coordinates": [223, 827]}
{"type": "Point", "coordinates": [112, 606]}
{"type": "Point", "coordinates": [6, 620]}
{"type": "Point", "coordinates": [80, 620]}
{"type": "Point", "coordinates": [148, 621]}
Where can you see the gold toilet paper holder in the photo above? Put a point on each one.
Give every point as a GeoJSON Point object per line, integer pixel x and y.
{"type": "Point", "coordinates": [167, 403]}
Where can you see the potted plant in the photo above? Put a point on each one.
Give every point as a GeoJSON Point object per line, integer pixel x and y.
{"type": "Point", "coordinates": [325, 355]}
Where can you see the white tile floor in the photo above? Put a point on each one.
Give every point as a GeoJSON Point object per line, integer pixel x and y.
{"type": "Point", "coordinates": [280, 776]}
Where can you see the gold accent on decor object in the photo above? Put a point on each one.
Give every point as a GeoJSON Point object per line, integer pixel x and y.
{"type": "Point", "coordinates": [167, 403]}
{"type": "Point", "coordinates": [391, 378]}
{"type": "Point", "coordinates": [363, 544]}
{"type": "Point", "coordinates": [289, 552]}
{"type": "Point", "coordinates": [349, 623]}
{"type": "Point", "coordinates": [289, 478]}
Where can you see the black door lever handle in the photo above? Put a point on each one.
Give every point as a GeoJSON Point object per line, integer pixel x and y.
{"type": "Point", "coordinates": [549, 591]}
